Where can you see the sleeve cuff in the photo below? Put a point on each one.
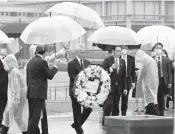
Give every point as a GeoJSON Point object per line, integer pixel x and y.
{"type": "Point", "coordinates": [110, 69]}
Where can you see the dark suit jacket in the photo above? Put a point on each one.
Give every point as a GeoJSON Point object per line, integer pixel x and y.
{"type": "Point", "coordinates": [130, 71]}
{"type": "Point", "coordinates": [38, 73]}
{"type": "Point", "coordinates": [74, 69]}
{"type": "Point", "coordinates": [3, 80]}
{"type": "Point", "coordinates": [119, 78]}
{"type": "Point", "coordinates": [167, 70]}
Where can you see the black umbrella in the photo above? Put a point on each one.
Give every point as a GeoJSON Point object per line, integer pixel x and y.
{"type": "Point", "coordinates": [106, 47]}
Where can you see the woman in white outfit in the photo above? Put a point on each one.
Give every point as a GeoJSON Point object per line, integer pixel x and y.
{"type": "Point", "coordinates": [17, 105]}
{"type": "Point", "coordinates": [148, 76]}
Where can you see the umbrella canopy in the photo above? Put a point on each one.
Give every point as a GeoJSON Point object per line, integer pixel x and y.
{"type": "Point", "coordinates": [49, 30]}
{"type": "Point", "coordinates": [114, 35]}
{"type": "Point", "coordinates": [151, 35]}
{"type": "Point", "coordinates": [4, 38]}
{"type": "Point", "coordinates": [13, 29]}
{"type": "Point", "coordinates": [82, 14]}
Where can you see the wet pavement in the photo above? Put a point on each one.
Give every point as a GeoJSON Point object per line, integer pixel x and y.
{"type": "Point", "coordinates": [60, 123]}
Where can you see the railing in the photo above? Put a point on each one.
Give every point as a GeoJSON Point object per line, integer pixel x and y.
{"type": "Point", "coordinates": [114, 17]}
{"type": "Point", "coordinates": [147, 17]}
{"type": "Point", "coordinates": [57, 93]}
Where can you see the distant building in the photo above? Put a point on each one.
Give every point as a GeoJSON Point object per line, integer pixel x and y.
{"type": "Point", "coordinates": [133, 14]}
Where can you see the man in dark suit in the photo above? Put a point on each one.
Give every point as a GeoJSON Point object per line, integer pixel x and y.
{"type": "Point", "coordinates": [130, 76]}
{"type": "Point", "coordinates": [74, 68]}
{"type": "Point", "coordinates": [3, 89]}
{"type": "Point", "coordinates": [38, 73]}
{"type": "Point", "coordinates": [165, 76]}
{"type": "Point", "coordinates": [3, 83]}
{"type": "Point", "coordinates": [117, 69]}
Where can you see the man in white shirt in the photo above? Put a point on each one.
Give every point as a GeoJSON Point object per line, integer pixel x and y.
{"type": "Point", "coordinates": [130, 76]}
{"type": "Point", "coordinates": [164, 74]}
{"type": "Point", "coordinates": [3, 83]}
{"type": "Point", "coordinates": [116, 67]}
{"type": "Point", "coordinates": [74, 68]}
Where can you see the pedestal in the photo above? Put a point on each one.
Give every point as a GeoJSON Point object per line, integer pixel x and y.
{"type": "Point", "coordinates": [141, 124]}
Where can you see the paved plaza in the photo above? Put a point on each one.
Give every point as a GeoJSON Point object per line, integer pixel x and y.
{"type": "Point", "coordinates": [60, 123]}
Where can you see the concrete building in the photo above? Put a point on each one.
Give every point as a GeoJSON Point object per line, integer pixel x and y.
{"type": "Point", "coordinates": [134, 14]}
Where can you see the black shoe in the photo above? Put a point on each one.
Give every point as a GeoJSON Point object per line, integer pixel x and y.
{"type": "Point", "coordinates": [123, 113]}
{"type": "Point", "coordinates": [73, 125]}
{"type": "Point", "coordinates": [24, 132]}
{"type": "Point", "coordinates": [3, 129]}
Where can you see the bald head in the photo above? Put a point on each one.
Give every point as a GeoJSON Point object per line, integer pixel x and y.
{"type": "Point", "coordinates": [80, 47]}
{"type": "Point", "coordinates": [32, 50]}
{"type": "Point", "coordinates": [80, 51]}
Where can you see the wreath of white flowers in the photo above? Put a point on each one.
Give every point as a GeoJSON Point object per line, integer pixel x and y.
{"type": "Point", "coordinates": [85, 98]}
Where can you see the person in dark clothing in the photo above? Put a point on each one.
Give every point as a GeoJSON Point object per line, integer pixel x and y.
{"type": "Point", "coordinates": [38, 74]}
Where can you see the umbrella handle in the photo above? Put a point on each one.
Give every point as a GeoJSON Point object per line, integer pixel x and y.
{"type": "Point", "coordinates": [55, 49]}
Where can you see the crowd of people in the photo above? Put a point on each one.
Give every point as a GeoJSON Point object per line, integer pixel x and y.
{"type": "Point", "coordinates": [24, 91]}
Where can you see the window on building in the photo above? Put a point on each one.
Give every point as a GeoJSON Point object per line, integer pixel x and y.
{"type": "Point", "coordinates": [30, 14]}
{"type": "Point", "coordinates": [169, 10]}
{"type": "Point", "coordinates": [19, 14]}
{"type": "Point", "coordinates": [146, 10]}
{"type": "Point", "coordinates": [2, 13]}
{"type": "Point", "coordinates": [115, 8]}
{"type": "Point", "coordinates": [13, 13]}
{"type": "Point", "coordinates": [6, 13]}
{"type": "Point", "coordinates": [97, 7]}
{"type": "Point", "coordinates": [23, 14]}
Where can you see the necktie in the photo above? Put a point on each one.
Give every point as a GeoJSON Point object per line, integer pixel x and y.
{"type": "Point", "coordinates": [125, 59]}
{"type": "Point", "coordinates": [159, 67]}
{"type": "Point", "coordinates": [81, 63]}
{"type": "Point", "coordinates": [117, 65]}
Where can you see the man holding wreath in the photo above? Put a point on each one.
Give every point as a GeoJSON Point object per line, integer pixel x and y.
{"type": "Point", "coordinates": [74, 68]}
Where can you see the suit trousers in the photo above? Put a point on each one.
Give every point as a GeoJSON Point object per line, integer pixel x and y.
{"type": "Point", "coordinates": [79, 118]}
{"type": "Point", "coordinates": [35, 108]}
{"type": "Point", "coordinates": [151, 109]}
{"type": "Point", "coordinates": [124, 102]}
{"type": "Point", "coordinates": [107, 108]}
{"type": "Point", "coordinates": [160, 96]}
{"type": "Point", "coordinates": [3, 102]}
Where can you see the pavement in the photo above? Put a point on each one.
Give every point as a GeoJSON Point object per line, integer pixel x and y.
{"type": "Point", "coordinates": [60, 123]}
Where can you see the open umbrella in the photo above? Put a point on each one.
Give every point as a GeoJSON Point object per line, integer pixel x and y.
{"type": "Point", "coordinates": [49, 30]}
{"type": "Point", "coordinates": [82, 14]}
{"type": "Point", "coordinates": [151, 35]}
{"type": "Point", "coordinates": [4, 38]}
{"type": "Point", "coordinates": [115, 36]}
{"type": "Point", "coordinates": [14, 30]}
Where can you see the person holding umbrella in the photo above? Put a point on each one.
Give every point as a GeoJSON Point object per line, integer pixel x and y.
{"type": "Point", "coordinates": [116, 67]}
{"type": "Point", "coordinates": [164, 74]}
{"type": "Point", "coordinates": [130, 76]}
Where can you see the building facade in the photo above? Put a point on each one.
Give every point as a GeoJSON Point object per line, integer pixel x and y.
{"type": "Point", "coordinates": [134, 14]}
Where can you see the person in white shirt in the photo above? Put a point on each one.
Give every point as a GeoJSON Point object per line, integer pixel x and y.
{"type": "Point", "coordinates": [74, 68]}
{"type": "Point", "coordinates": [130, 75]}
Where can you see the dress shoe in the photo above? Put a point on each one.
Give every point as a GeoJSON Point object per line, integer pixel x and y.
{"type": "Point", "coordinates": [3, 129]}
{"type": "Point", "coordinates": [24, 132]}
{"type": "Point", "coordinates": [73, 125]}
{"type": "Point", "coordinates": [123, 113]}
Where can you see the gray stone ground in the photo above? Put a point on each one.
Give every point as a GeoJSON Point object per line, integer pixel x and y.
{"type": "Point", "coordinates": [60, 123]}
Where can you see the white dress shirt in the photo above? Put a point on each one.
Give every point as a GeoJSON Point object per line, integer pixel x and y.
{"type": "Point", "coordinates": [79, 60]}
{"type": "Point", "coordinates": [125, 57]}
{"type": "Point", "coordinates": [160, 64]}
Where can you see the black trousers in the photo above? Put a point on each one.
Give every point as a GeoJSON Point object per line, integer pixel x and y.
{"type": "Point", "coordinates": [151, 109]}
{"type": "Point", "coordinates": [124, 102]}
{"type": "Point", "coordinates": [107, 107]}
{"type": "Point", "coordinates": [3, 102]}
{"type": "Point", "coordinates": [79, 118]}
{"type": "Point", "coordinates": [160, 96]}
{"type": "Point", "coordinates": [35, 108]}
